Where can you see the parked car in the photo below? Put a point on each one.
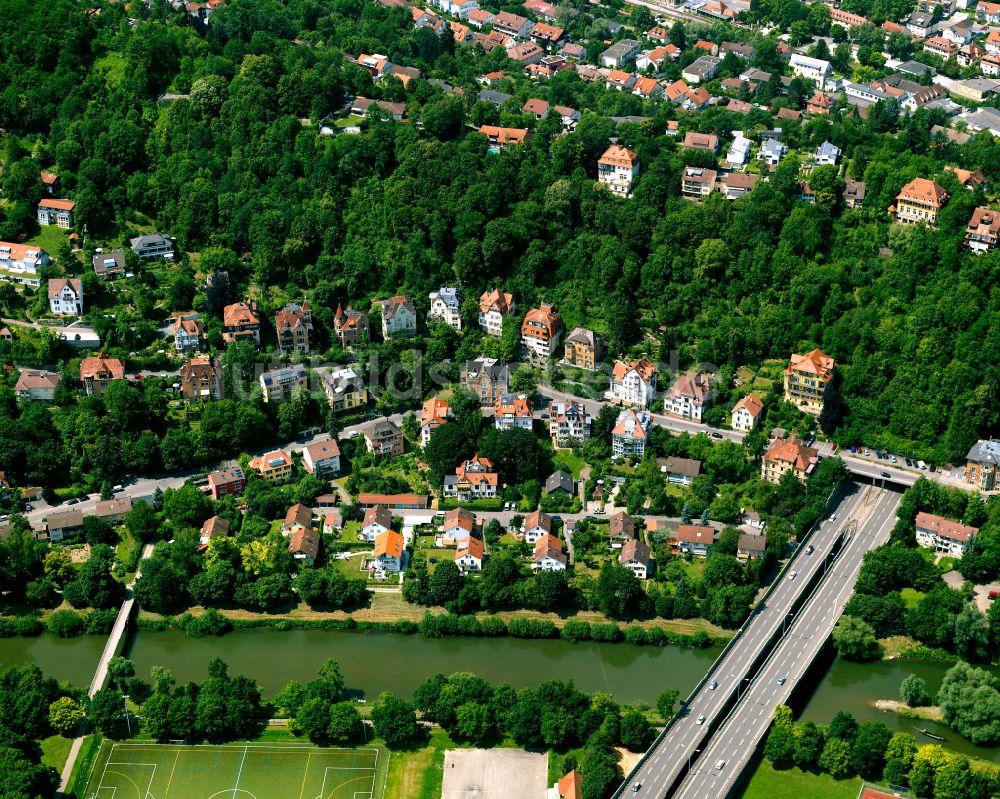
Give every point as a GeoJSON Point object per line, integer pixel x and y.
{"type": "Point", "coordinates": [716, 435]}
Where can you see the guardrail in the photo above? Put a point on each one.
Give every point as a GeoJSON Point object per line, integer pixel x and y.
{"type": "Point", "coordinates": [620, 792]}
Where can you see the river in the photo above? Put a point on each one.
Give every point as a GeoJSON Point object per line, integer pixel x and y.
{"type": "Point", "coordinates": [373, 662]}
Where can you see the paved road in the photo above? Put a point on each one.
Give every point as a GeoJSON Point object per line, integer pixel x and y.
{"type": "Point", "coordinates": [733, 745]}
{"type": "Point", "coordinates": [686, 736]}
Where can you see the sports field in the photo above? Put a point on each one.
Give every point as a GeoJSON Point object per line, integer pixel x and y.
{"type": "Point", "coordinates": [236, 771]}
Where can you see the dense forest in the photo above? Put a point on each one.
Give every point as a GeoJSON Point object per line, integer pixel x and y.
{"type": "Point", "coordinates": [236, 170]}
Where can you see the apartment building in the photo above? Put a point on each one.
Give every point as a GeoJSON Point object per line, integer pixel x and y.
{"type": "Point", "coordinates": [19, 263]}
{"type": "Point", "coordinates": [945, 536]}
{"type": "Point", "coordinates": [493, 307]}
{"type": "Point", "coordinates": [446, 307]}
{"type": "Point", "coordinates": [240, 322]}
{"type": "Point", "coordinates": [541, 332]}
{"type": "Point", "coordinates": [154, 245]}
{"type": "Point", "coordinates": [617, 169]}
{"type": "Point", "coordinates": [920, 200]}
{"type": "Point", "coordinates": [201, 380]}
{"type": "Point", "coordinates": [788, 455]}
{"type": "Point", "coordinates": [66, 296]}
{"type": "Point", "coordinates": [512, 411]}
{"type": "Point", "coordinates": [982, 465]}
{"type": "Point", "coordinates": [98, 372]}
{"type": "Point", "coordinates": [343, 388]}
{"type": "Point", "coordinates": [630, 434]}
{"type": "Point", "coordinates": [435, 413]}
{"type": "Point", "coordinates": [294, 328]}
{"type": "Point", "coordinates": [274, 467]}
{"type": "Point", "coordinates": [688, 397]}
{"type": "Point", "coordinates": [56, 212]}
{"type": "Point", "coordinates": [569, 423]}
{"type": "Point", "coordinates": [983, 230]}
{"type": "Point", "coordinates": [384, 438]}
{"type": "Point", "coordinates": [633, 383]}
{"type": "Point", "coordinates": [486, 378]}
{"type": "Point", "coordinates": [697, 182]}
{"type": "Point", "coordinates": [582, 349]}
{"type": "Point", "coordinates": [746, 413]}
{"type": "Point", "coordinates": [278, 385]}
{"type": "Point", "coordinates": [399, 318]}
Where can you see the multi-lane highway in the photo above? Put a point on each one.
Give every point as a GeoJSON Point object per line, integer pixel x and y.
{"type": "Point", "coordinates": [689, 733]}
{"type": "Point", "coordinates": [718, 768]}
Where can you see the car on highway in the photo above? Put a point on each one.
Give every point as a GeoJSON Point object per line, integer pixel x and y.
{"type": "Point", "coordinates": [781, 680]}
{"type": "Point", "coordinates": [636, 787]}
{"type": "Point", "coordinates": [720, 765]}
{"type": "Point", "coordinates": [700, 719]}
{"type": "Point", "coordinates": [713, 685]}
{"type": "Point", "coordinates": [886, 474]}
{"type": "Point", "coordinates": [809, 549]}
{"type": "Point", "coordinates": [792, 575]}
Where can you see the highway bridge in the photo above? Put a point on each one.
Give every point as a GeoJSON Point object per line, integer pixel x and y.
{"type": "Point", "coordinates": [730, 710]}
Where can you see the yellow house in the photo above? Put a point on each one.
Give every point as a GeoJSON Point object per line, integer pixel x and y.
{"type": "Point", "coordinates": [275, 467]}
{"type": "Point", "coordinates": [806, 380]}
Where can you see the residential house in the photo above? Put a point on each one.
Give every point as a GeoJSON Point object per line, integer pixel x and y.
{"type": "Point", "coordinates": [384, 438]}
{"type": "Point", "coordinates": [688, 397]}
{"type": "Point", "coordinates": [66, 296]}
{"type": "Point", "coordinates": [704, 46]}
{"type": "Point", "coordinates": [920, 200]}
{"type": "Point", "coordinates": [548, 554]}
{"type": "Point", "coordinates": [679, 471]}
{"type": "Point", "coordinates": [497, 99]}
{"type": "Point", "coordinates": [752, 519]}
{"type": "Point", "coordinates": [815, 69]}
{"type": "Point", "coordinates": [35, 385]}
{"type": "Point", "coordinates": [502, 138]}
{"type": "Point", "coordinates": [734, 185]}
{"type": "Point", "coordinates": [982, 231]}
{"type": "Point", "coordinates": [572, 51]}
{"type": "Point", "coordinates": [512, 24]}
{"type": "Point", "coordinates": [620, 53]}
{"type": "Point", "coordinates": [746, 412]}
{"type": "Point", "coordinates": [493, 307]}
{"type": "Point", "coordinates": [647, 88]}
{"type": "Point", "coordinates": [982, 465]}
{"type": "Point", "coordinates": [322, 459]}
{"type": "Point", "coordinates": [820, 103]}
{"type": "Point", "coordinates": [621, 528]}
{"type": "Point", "coordinates": [240, 322]}
{"type": "Point", "coordinates": [788, 455]}
{"type": "Point", "coordinates": [739, 106]}
{"type": "Point", "coordinates": [333, 522]}
{"type": "Point", "coordinates": [459, 525]}
{"type": "Point", "coordinates": [389, 552]}
{"type": "Point", "coordinates": [109, 265]}
{"type": "Point", "coordinates": [303, 545]}
{"type": "Point", "coordinates": [56, 212]}
{"type": "Point", "coordinates": [676, 91]}
{"type": "Point", "coordinates": [446, 307]}
{"type": "Point", "coordinates": [750, 547]}
{"type": "Point", "coordinates": [694, 538]}
{"type": "Point", "coordinates": [153, 245]}
{"type": "Point", "coordinates": [512, 411]}
{"type": "Point", "coordinates": [298, 517]}
{"type": "Point", "coordinates": [617, 169]}
{"type": "Point", "coordinates": [435, 413]}
{"type": "Point", "coordinates": [707, 142]}
{"type": "Point", "coordinates": [51, 182]}
{"type": "Point", "coordinates": [633, 383]}
{"type": "Point", "coordinates": [187, 335]}
{"type": "Point", "coordinates": [635, 557]}
{"type": "Point", "coordinates": [569, 423]}
{"type": "Point", "coordinates": [547, 36]}
{"type": "Point", "coordinates": [344, 390]}
{"type": "Point", "coordinates": [19, 263]}
{"type": "Point", "coordinates": [487, 378]}
{"type": "Point", "coordinates": [541, 332]}
{"type": "Point", "coordinates": [988, 13]}
{"type": "Point", "coordinates": [946, 536]}
{"type": "Point", "coordinates": [6, 335]}
{"type": "Point", "coordinates": [658, 34]}
{"type": "Point", "coordinates": [971, 53]}
{"type": "Point", "coordinates": [569, 116]}
{"type": "Point", "coordinates": [214, 527]}
{"type": "Point", "coordinates": [377, 520]}
{"type": "Point", "coordinates": [278, 385]}
{"type": "Point", "coordinates": [655, 58]}
{"type": "Point", "coordinates": [350, 326]}
{"type": "Point", "coordinates": [569, 786]}
{"type": "Point", "coordinates": [480, 17]}
{"type": "Point", "coordinates": [620, 80]}
{"type": "Point", "coordinates": [630, 433]}
{"type": "Point", "coordinates": [582, 349]}
{"type": "Point", "coordinates": [97, 373]}
{"type": "Point", "coordinates": [854, 193]}
{"type": "Point", "coordinates": [744, 51]}
{"type": "Point", "coordinates": [701, 69]}
{"type": "Point", "coordinates": [697, 182]}
{"type": "Point", "coordinates": [469, 555]}
{"type": "Point", "coordinates": [560, 482]}
{"type": "Point", "coordinates": [536, 524]}
{"type": "Point", "coordinates": [294, 327]}
{"type": "Point", "coordinates": [275, 467]}
{"type": "Point", "coordinates": [64, 524]}
{"type": "Point", "coordinates": [526, 53]}
{"type": "Point", "coordinates": [739, 151]}
{"type": "Point", "coordinates": [399, 318]}
{"type": "Point", "coordinates": [113, 511]}
{"type": "Point", "coordinates": [846, 19]}
{"type": "Point", "coordinates": [771, 152]}
{"type": "Point", "coordinates": [806, 380]}
{"type": "Point", "coordinates": [970, 179]}
{"type": "Point", "coordinates": [201, 379]}
{"type": "Point", "coordinates": [227, 481]}
{"type": "Point", "coordinates": [826, 154]}
{"type": "Point", "coordinates": [474, 479]}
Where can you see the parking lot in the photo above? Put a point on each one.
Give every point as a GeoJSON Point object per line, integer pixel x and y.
{"type": "Point", "coordinates": [494, 774]}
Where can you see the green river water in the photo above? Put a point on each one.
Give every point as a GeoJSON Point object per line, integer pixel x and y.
{"type": "Point", "coordinates": [377, 661]}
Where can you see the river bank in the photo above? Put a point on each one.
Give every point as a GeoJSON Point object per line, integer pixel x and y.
{"type": "Point", "coordinates": [903, 710]}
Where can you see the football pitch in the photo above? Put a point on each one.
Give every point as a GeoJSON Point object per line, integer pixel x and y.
{"type": "Point", "coordinates": [235, 771]}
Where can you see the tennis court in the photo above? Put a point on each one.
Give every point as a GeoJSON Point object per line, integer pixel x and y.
{"type": "Point", "coordinates": [235, 771]}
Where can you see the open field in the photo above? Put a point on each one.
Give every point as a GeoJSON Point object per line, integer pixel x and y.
{"type": "Point", "coordinates": [793, 783]}
{"type": "Point", "coordinates": [252, 771]}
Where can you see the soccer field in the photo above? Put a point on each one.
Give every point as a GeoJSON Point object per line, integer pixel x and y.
{"type": "Point", "coordinates": [235, 771]}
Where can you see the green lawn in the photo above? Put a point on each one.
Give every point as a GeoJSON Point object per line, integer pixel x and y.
{"type": "Point", "coordinates": [795, 784]}
{"type": "Point", "coordinates": [55, 750]}
{"type": "Point", "coordinates": [911, 597]}
{"type": "Point", "coordinates": [569, 461]}
{"type": "Point", "coordinates": [50, 239]}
